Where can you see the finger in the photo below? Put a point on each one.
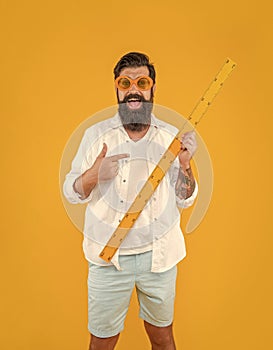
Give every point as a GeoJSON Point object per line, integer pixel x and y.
{"type": "Point", "coordinates": [189, 133]}
{"type": "Point", "coordinates": [188, 143]}
{"type": "Point", "coordinates": [103, 151]}
{"type": "Point", "coordinates": [116, 157]}
{"type": "Point", "coordinates": [188, 138]}
{"type": "Point", "coordinates": [190, 148]}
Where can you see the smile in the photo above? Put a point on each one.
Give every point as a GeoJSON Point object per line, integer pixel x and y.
{"type": "Point", "coordinates": [134, 103]}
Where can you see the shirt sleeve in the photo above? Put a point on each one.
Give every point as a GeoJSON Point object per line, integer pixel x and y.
{"type": "Point", "coordinates": [80, 164]}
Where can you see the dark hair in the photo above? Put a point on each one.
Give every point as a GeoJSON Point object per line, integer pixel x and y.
{"type": "Point", "coordinates": [134, 59]}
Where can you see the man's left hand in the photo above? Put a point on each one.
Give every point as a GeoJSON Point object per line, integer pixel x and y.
{"type": "Point", "coordinates": [188, 148]}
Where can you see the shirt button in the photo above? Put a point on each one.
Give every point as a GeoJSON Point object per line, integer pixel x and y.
{"type": "Point", "coordinates": [124, 180]}
{"type": "Point", "coordinates": [155, 219]}
{"type": "Point", "coordinates": [121, 201]}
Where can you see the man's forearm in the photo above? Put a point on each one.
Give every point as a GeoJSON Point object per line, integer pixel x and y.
{"type": "Point", "coordinates": [85, 183]}
{"type": "Point", "coordinates": [185, 183]}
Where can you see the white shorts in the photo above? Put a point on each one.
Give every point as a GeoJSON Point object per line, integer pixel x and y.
{"type": "Point", "coordinates": [110, 290]}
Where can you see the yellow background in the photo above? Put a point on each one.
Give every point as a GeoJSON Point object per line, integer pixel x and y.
{"type": "Point", "coordinates": [56, 70]}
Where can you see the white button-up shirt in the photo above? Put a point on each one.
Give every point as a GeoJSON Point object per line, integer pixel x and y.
{"type": "Point", "coordinates": [158, 226]}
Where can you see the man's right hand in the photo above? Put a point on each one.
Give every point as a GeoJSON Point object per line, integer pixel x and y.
{"type": "Point", "coordinates": [107, 167]}
{"type": "Point", "coordinates": [103, 169]}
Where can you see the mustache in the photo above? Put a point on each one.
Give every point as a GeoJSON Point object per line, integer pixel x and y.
{"type": "Point", "coordinates": [133, 96]}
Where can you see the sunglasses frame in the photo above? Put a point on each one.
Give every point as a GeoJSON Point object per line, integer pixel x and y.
{"type": "Point", "coordinates": [134, 81]}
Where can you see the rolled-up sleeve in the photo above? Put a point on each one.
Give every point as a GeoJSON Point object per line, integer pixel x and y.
{"type": "Point", "coordinates": [79, 165]}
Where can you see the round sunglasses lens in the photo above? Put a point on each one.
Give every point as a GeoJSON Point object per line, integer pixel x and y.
{"type": "Point", "coordinates": [124, 83]}
{"type": "Point", "coordinates": [143, 84]}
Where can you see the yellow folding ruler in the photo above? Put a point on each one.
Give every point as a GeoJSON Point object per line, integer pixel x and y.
{"type": "Point", "coordinates": [164, 164]}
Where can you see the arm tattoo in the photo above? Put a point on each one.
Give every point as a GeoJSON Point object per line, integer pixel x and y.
{"type": "Point", "coordinates": [185, 184]}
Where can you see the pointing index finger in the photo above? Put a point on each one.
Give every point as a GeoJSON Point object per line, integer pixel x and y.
{"type": "Point", "coordinates": [119, 156]}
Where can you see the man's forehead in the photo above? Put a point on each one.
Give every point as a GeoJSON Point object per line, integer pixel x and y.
{"type": "Point", "coordinates": [135, 72]}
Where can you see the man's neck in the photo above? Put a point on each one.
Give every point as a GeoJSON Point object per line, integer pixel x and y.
{"type": "Point", "coordinates": [137, 135]}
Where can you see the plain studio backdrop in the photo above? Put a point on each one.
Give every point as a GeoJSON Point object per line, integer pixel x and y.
{"type": "Point", "coordinates": [56, 71]}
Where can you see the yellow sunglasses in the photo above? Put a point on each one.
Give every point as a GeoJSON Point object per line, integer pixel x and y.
{"type": "Point", "coordinates": [143, 83]}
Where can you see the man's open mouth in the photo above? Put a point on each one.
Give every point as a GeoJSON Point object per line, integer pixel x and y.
{"type": "Point", "coordinates": [134, 102]}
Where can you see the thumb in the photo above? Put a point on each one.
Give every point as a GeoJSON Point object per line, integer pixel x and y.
{"type": "Point", "coordinates": [103, 151]}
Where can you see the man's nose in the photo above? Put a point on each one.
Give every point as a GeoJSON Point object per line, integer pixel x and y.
{"type": "Point", "coordinates": [134, 88]}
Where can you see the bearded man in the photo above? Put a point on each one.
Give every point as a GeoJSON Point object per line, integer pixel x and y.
{"type": "Point", "coordinates": [115, 158]}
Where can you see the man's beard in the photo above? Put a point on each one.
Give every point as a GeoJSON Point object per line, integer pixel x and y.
{"type": "Point", "coordinates": [135, 119]}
